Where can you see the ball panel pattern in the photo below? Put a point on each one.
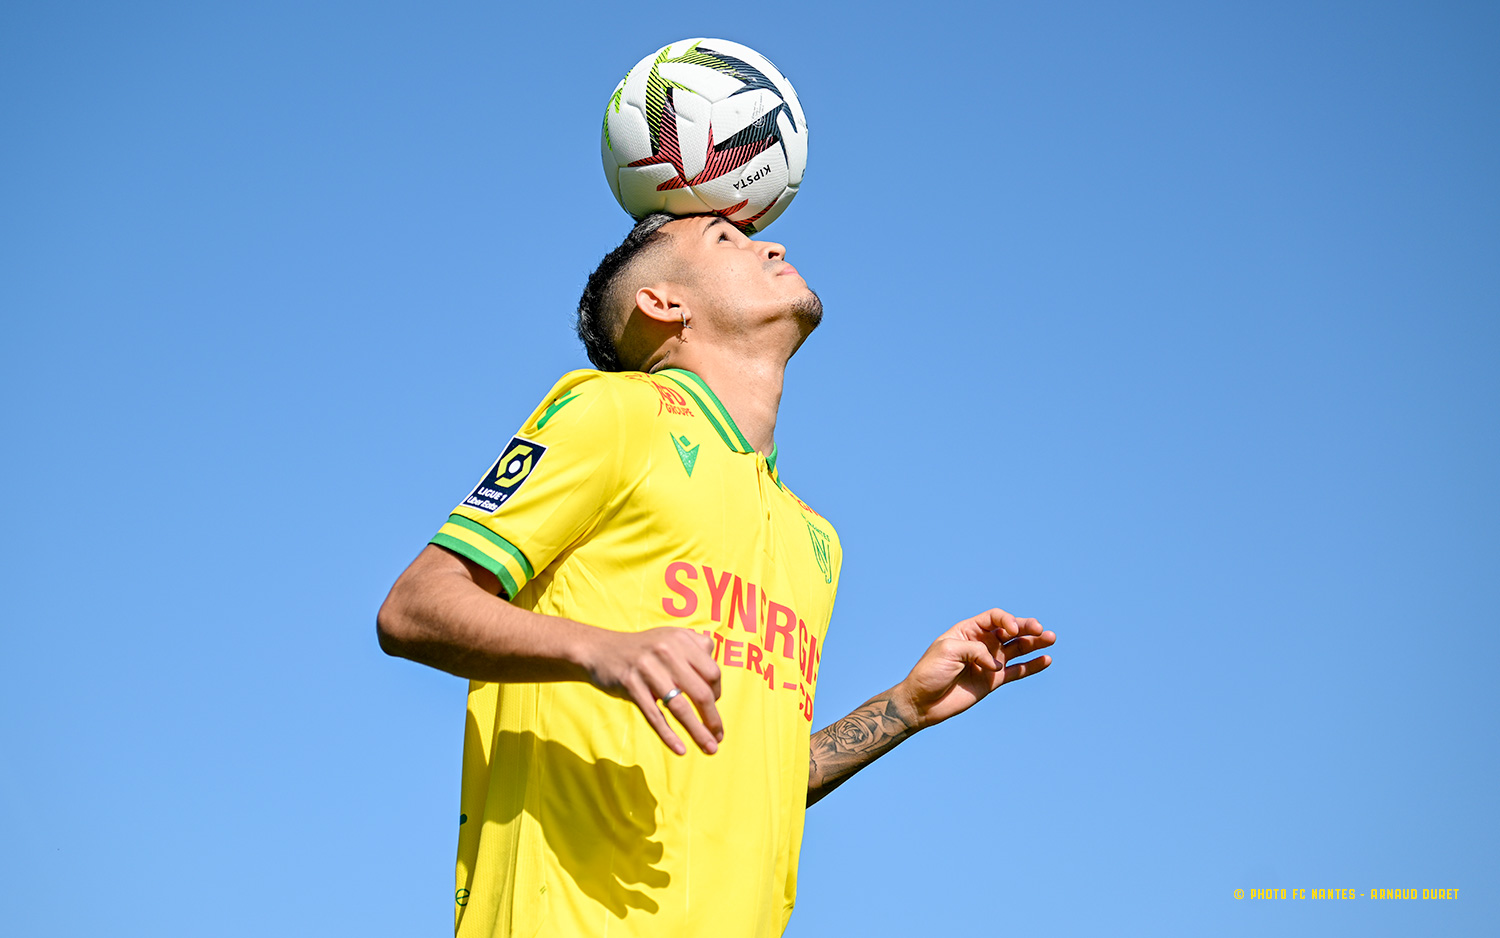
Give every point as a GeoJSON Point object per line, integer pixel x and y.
{"type": "Point", "coordinates": [718, 128]}
{"type": "Point", "coordinates": [694, 131]}
{"type": "Point", "coordinates": [638, 185]}
{"type": "Point", "coordinates": [625, 131]}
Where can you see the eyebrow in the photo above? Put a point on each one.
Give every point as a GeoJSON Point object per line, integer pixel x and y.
{"type": "Point", "coordinates": [717, 220]}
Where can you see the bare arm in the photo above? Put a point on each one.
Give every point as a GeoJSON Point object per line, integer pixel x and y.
{"type": "Point", "coordinates": [961, 668]}
{"type": "Point", "coordinates": [444, 611]}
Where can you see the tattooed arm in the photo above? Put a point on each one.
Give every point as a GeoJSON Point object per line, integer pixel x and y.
{"type": "Point", "coordinates": [840, 750]}
{"type": "Point", "coordinates": [960, 669]}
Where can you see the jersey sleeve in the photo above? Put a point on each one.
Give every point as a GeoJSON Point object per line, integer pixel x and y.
{"type": "Point", "coordinates": [550, 484]}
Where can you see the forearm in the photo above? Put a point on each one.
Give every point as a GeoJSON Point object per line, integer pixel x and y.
{"type": "Point", "coordinates": [436, 615]}
{"type": "Point", "coordinates": [444, 612]}
{"type": "Point", "coordinates": [838, 751]}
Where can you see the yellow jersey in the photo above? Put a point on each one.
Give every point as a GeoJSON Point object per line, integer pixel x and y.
{"type": "Point", "coordinates": [630, 501]}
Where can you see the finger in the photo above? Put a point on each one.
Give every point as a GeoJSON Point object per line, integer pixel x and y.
{"type": "Point", "coordinates": [696, 694]}
{"type": "Point", "coordinates": [682, 708]}
{"type": "Point", "coordinates": [976, 653]}
{"type": "Point", "coordinates": [646, 701]}
{"type": "Point", "coordinates": [1026, 668]}
{"type": "Point", "coordinates": [992, 641]}
{"type": "Point", "coordinates": [702, 696]}
{"type": "Point", "coordinates": [662, 680]}
{"type": "Point", "coordinates": [1026, 644]}
{"type": "Point", "coordinates": [1028, 627]}
{"type": "Point", "coordinates": [699, 677]}
{"type": "Point", "coordinates": [704, 665]}
{"type": "Point", "coordinates": [997, 620]}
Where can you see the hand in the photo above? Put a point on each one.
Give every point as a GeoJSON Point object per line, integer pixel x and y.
{"type": "Point", "coordinates": [645, 666]}
{"type": "Point", "coordinates": [967, 662]}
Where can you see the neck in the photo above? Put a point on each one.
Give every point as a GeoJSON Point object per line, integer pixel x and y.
{"type": "Point", "coordinates": [749, 388]}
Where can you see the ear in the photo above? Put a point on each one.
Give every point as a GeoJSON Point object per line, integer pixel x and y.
{"type": "Point", "coordinates": [662, 302]}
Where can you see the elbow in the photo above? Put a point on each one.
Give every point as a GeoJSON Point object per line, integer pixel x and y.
{"type": "Point", "coordinates": [392, 626]}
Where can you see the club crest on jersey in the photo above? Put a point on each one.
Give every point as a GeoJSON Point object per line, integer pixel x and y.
{"type": "Point", "coordinates": [508, 474]}
{"type": "Point", "coordinates": [822, 546]}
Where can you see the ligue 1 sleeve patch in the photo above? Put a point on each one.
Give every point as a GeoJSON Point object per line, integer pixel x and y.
{"type": "Point", "coordinates": [508, 474]}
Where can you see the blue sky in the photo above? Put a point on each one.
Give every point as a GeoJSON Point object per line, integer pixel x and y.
{"type": "Point", "coordinates": [1170, 324]}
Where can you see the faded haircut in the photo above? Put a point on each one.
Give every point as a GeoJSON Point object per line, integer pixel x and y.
{"type": "Point", "coordinates": [601, 311]}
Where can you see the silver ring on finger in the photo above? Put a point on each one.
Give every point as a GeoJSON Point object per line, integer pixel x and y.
{"type": "Point", "coordinates": [667, 697]}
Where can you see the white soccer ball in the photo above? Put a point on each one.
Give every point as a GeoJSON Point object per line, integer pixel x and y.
{"type": "Point", "coordinates": [705, 125]}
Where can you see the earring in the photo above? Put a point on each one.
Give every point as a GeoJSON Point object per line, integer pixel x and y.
{"type": "Point", "coordinates": [685, 322]}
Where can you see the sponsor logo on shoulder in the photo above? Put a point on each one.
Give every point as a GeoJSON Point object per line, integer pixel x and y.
{"type": "Point", "coordinates": [515, 465]}
{"type": "Point", "coordinates": [672, 401]}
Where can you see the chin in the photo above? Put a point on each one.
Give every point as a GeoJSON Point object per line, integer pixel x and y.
{"type": "Point", "coordinates": [808, 311]}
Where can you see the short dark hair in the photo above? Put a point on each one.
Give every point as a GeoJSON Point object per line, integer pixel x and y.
{"type": "Point", "coordinates": [598, 319]}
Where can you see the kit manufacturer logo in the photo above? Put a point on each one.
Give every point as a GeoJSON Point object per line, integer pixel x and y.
{"type": "Point", "coordinates": [554, 407]}
{"type": "Point", "coordinates": [689, 456]}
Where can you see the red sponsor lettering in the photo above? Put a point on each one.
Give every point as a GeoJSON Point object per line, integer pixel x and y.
{"type": "Point", "coordinates": [780, 621]}
{"type": "Point", "coordinates": [689, 604]}
{"type": "Point", "coordinates": [744, 606]}
{"type": "Point", "coordinates": [750, 607]}
{"type": "Point", "coordinates": [672, 401]}
{"type": "Point", "coordinates": [716, 591]}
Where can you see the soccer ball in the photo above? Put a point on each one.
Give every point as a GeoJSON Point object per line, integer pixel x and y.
{"type": "Point", "coordinates": [705, 125]}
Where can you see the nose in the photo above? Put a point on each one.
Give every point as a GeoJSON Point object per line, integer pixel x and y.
{"type": "Point", "coordinates": [772, 250]}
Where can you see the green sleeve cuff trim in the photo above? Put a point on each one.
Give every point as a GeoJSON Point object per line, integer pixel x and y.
{"type": "Point", "coordinates": [497, 540]}
{"type": "Point", "coordinates": [480, 557]}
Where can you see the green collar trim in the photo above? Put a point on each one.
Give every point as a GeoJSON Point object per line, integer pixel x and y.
{"type": "Point", "coordinates": [712, 408]}
{"type": "Point", "coordinates": [771, 467]}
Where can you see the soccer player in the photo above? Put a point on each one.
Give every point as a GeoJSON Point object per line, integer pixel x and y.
{"type": "Point", "coordinates": [633, 553]}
